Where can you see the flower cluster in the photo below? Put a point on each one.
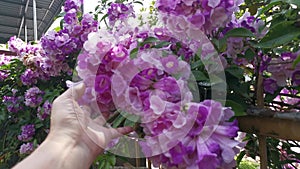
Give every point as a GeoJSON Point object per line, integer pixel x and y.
{"type": "Point", "coordinates": [16, 45]}
{"type": "Point", "coordinates": [74, 4]}
{"type": "Point", "coordinates": [27, 133]}
{"type": "Point", "coordinates": [119, 11]}
{"type": "Point", "coordinates": [44, 111]}
{"type": "Point", "coordinates": [13, 103]}
{"type": "Point", "coordinates": [278, 71]}
{"type": "Point", "coordinates": [59, 46]}
{"type": "Point", "coordinates": [26, 148]}
{"type": "Point", "coordinates": [130, 73]}
{"type": "Point", "coordinates": [281, 69]}
{"type": "Point", "coordinates": [206, 15]}
{"type": "Point", "coordinates": [4, 60]}
{"type": "Point", "coordinates": [282, 72]}
{"type": "Point", "coordinates": [237, 45]}
{"type": "Point", "coordinates": [33, 57]}
{"type": "Point", "coordinates": [286, 96]}
{"type": "Point", "coordinates": [207, 143]}
{"type": "Point", "coordinates": [33, 97]}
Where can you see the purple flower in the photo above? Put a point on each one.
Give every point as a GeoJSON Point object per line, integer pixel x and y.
{"type": "Point", "coordinates": [16, 45]}
{"type": "Point", "coordinates": [287, 99]}
{"type": "Point", "coordinates": [29, 77]}
{"type": "Point", "coordinates": [72, 4]}
{"type": "Point", "coordinates": [13, 103]}
{"type": "Point", "coordinates": [27, 132]}
{"type": "Point", "coordinates": [3, 75]}
{"type": "Point", "coordinates": [102, 83]}
{"type": "Point", "coordinates": [167, 5]}
{"type": "Point", "coordinates": [4, 60]}
{"type": "Point", "coordinates": [168, 89]}
{"type": "Point", "coordinates": [71, 17]}
{"type": "Point", "coordinates": [44, 111]}
{"type": "Point", "coordinates": [296, 78]}
{"type": "Point", "coordinates": [280, 70]}
{"type": "Point", "coordinates": [270, 85]}
{"type": "Point", "coordinates": [205, 15]}
{"type": "Point", "coordinates": [265, 61]}
{"type": "Point", "coordinates": [26, 148]}
{"type": "Point", "coordinates": [209, 142]}
{"type": "Point", "coordinates": [198, 19]}
{"type": "Point", "coordinates": [119, 11]}
{"type": "Point", "coordinates": [88, 22]}
{"type": "Point", "coordinates": [62, 39]}
{"type": "Point", "coordinates": [33, 97]}
{"type": "Point", "coordinates": [170, 64]}
{"type": "Point", "coordinates": [118, 53]}
{"type": "Point", "coordinates": [288, 56]}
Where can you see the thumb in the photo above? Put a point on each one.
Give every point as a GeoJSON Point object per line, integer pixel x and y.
{"type": "Point", "coordinates": [120, 131]}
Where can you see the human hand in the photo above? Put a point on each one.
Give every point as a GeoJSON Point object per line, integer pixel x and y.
{"type": "Point", "coordinates": [70, 122]}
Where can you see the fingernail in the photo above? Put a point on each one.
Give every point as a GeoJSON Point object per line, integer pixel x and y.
{"type": "Point", "coordinates": [73, 84]}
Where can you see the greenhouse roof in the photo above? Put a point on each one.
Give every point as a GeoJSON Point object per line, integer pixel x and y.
{"type": "Point", "coordinates": [16, 15]}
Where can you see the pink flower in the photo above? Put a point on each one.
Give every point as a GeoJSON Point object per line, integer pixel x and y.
{"type": "Point", "coordinates": [119, 53]}
{"type": "Point", "coordinates": [170, 63]}
{"type": "Point", "coordinates": [213, 3]}
{"type": "Point", "coordinates": [197, 149]}
{"type": "Point", "coordinates": [102, 83]}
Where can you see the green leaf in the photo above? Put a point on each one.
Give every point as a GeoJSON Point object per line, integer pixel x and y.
{"type": "Point", "coordinates": [270, 97]}
{"type": "Point", "coordinates": [279, 34]}
{"type": "Point", "coordinates": [295, 2]}
{"type": "Point", "coordinates": [62, 14]}
{"type": "Point", "coordinates": [118, 121]}
{"type": "Point", "coordinates": [296, 62]}
{"type": "Point", "coordinates": [240, 157]}
{"type": "Point", "coordinates": [235, 71]}
{"type": "Point", "coordinates": [215, 79]}
{"type": "Point", "coordinates": [239, 32]}
{"type": "Point", "coordinates": [61, 24]}
{"type": "Point", "coordinates": [220, 44]}
{"type": "Point", "coordinates": [101, 164]}
{"type": "Point", "coordinates": [253, 9]}
{"type": "Point", "coordinates": [150, 40]}
{"type": "Point", "coordinates": [103, 18]}
{"type": "Point", "coordinates": [112, 160]}
{"type": "Point", "coordinates": [138, 2]}
{"type": "Point", "coordinates": [106, 160]}
{"type": "Point", "coordinates": [197, 64]}
{"type": "Point", "coordinates": [161, 44]}
{"type": "Point", "coordinates": [237, 108]}
{"type": "Point", "coordinates": [57, 29]}
{"type": "Point", "coordinates": [249, 54]}
{"type": "Point", "coordinates": [131, 120]}
{"type": "Point", "coordinates": [268, 7]}
{"type": "Point", "coordinates": [39, 125]}
{"type": "Point", "coordinates": [133, 53]}
{"type": "Point", "coordinates": [199, 76]}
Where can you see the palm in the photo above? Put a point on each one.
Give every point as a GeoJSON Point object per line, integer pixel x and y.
{"type": "Point", "coordinates": [69, 120]}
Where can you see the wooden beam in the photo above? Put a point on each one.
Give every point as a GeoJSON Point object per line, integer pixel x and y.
{"type": "Point", "coordinates": [287, 129]}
